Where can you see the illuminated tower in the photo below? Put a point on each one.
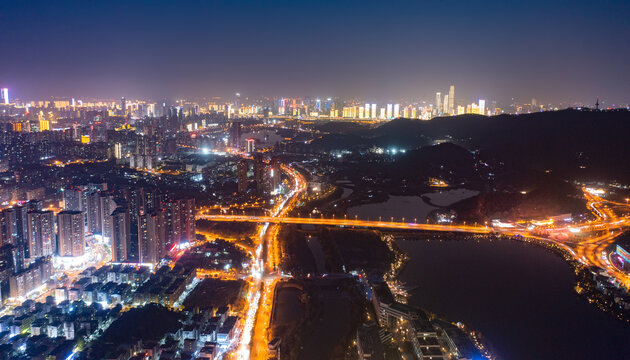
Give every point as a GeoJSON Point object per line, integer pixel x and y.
{"type": "Point", "coordinates": [451, 100]}
{"type": "Point", "coordinates": [597, 104]}
{"type": "Point", "coordinates": [373, 111]}
{"type": "Point", "coordinates": [389, 111]}
{"type": "Point", "coordinates": [396, 110]}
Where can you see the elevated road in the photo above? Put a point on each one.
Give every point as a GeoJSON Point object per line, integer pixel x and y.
{"type": "Point", "coordinates": [349, 223]}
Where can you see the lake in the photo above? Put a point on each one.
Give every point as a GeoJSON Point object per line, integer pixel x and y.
{"type": "Point", "coordinates": [519, 296]}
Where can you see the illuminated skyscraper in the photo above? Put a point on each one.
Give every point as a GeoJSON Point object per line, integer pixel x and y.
{"type": "Point", "coordinates": [451, 100]}
{"type": "Point", "coordinates": [390, 111]}
{"type": "Point", "coordinates": [438, 102]}
{"type": "Point", "coordinates": [482, 106]}
{"type": "Point", "coordinates": [445, 105]}
{"type": "Point", "coordinates": [5, 95]}
{"type": "Point", "coordinates": [396, 110]}
{"type": "Point", "coordinates": [373, 111]}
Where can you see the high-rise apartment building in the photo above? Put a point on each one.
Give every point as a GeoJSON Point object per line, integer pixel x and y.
{"type": "Point", "coordinates": [120, 234]}
{"type": "Point", "coordinates": [74, 199]}
{"type": "Point", "coordinates": [241, 170]}
{"type": "Point", "coordinates": [187, 218]}
{"type": "Point", "coordinates": [152, 235]}
{"type": "Point", "coordinates": [259, 172]}
{"type": "Point", "coordinates": [41, 233]}
{"type": "Point", "coordinates": [107, 206]}
{"type": "Point", "coordinates": [235, 135]}
{"type": "Point", "coordinates": [71, 233]}
{"type": "Point", "coordinates": [93, 213]}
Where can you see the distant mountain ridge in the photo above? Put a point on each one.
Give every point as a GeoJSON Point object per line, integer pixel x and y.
{"type": "Point", "coordinates": [573, 143]}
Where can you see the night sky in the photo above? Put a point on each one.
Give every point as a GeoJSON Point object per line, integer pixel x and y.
{"type": "Point", "coordinates": [381, 50]}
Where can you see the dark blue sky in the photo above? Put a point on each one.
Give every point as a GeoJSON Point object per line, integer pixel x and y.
{"type": "Point", "coordinates": [551, 50]}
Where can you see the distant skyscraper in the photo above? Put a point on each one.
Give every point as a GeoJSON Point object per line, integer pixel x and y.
{"type": "Point", "coordinates": [241, 171]}
{"type": "Point", "coordinates": [5, 95]}
{"type": "Point", "coordinates": [451, 100]}
{"type": "Point", "coordinates": [71, 233]}
{"type": "Point", "coordinates": [445, 105]}
{"type": "Point", "coordinates": [438, 102]}
{"type": "Point", "coordinates": [482, 106]}
{"type": "Point", "coordinates": [120, 234]}
{"type": "Point", "coordinates": [390, 111]}
{"type": "Point", "coordinates": [373, 113]}
{"type": "Point", "coordinates": [396, 110]}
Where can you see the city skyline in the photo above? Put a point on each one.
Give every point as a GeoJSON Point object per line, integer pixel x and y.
{"type": "Point", "coordinates": [368, 49]}
{"type": "Point", "coordinates": [342, 180]}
